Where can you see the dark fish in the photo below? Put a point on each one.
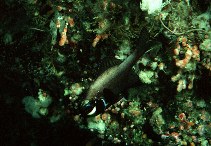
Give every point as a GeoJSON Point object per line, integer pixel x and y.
{"type": "Point", "coordinates": [112, 81]}
{"type": "Point", "coordinates": [115, 77]}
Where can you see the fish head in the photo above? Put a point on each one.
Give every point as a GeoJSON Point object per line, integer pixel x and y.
{"type": "Point", "coordinates": [99, 104]}
{"type": "Point", "coordinates": [93, 107]}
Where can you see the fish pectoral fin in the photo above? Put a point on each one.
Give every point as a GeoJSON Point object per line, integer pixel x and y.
{"type": "Point", "coordinates": [109, 96]}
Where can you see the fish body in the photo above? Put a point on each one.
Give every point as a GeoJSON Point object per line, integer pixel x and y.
{"type": "Point", "coordinates": [114, 80]}
{"type": "Point", "coordinates": [105, 89]}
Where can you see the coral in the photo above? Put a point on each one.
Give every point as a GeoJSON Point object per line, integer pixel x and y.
{"type": "Point", "coordinates": [190, 124]}
{"type": "Point", "coordinates": [205, 47]}
{"type": "Point", "coordinates": [113, 125]}
{"type": "Point", "coordinates": [157, 121]}
{"type": "Point", "coordinates": [98, 125]}
{"type": "Point", "coordinates": [147, 76]}
{"type": "Point", "coordinates": [151, 6]}
{"type": "Point", "coordinates": [62, 46]}
{"type": "Point", "coordinates": [74, 90]}
{"type": "Point", "coordinates": [37, 107]}
{"type": "Point", "coordinates": [202, 21]}
{"type": "Point", "coordinates": [98, 38]}
{"type": "Point", "coordinates": [124, 50]}
{"type": "Point", "coordinates": [32, 106]}
{"type": "Point", "coordinates": [186, 64]}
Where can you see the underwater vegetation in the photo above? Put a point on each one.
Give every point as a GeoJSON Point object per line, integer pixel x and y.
{"type": "Point", "coordinates": [129, 72]}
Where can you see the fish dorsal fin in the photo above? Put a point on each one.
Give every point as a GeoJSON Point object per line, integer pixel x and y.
{"type": "Point", "coordinates": [107, 63]}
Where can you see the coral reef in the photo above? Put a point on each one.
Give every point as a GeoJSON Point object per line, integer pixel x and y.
{"type": "Point", "coordinates": [60, 47]}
